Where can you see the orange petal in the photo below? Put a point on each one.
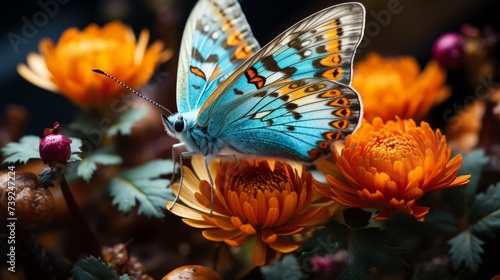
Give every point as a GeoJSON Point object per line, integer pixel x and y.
{"type": "Point", "coordinates": [220, 235]}
{"type": "Point", "coordinates": [259, 253]}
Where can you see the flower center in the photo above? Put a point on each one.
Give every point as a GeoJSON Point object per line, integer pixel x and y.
{"type": "Point", "coordinates": [255, 179]}
{"type": "Point", "coordinates": [386, 145]}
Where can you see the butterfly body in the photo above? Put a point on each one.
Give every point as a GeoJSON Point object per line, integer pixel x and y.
{"type": "Point", "coordinates": [290, 99]}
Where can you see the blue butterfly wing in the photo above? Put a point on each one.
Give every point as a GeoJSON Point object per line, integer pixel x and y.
{"type": "Point", "coordinates": [216, 40]}
{"type": "Point", "coordinates": [320, 46]}
{"type": "Point", "coordinates": [296, 119]}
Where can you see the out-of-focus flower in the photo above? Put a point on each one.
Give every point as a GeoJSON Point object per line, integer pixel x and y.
{"type": "Point", "coordinates": [448, 50]}
{"type": "Point", "coordinates": [66, 67]}
{"type": "Point", "coordinates": [464, 128]}
{"type": "Point", "coordinates": [193, 272]}
{"type": "Point", "coordinates": [389, 167]}
{"type": "Point", "coordinates": [396, 86]}
{"type": "Point", "coordinates": [55, 148]}
{"type": "Point", "coordinates": [271, 201]}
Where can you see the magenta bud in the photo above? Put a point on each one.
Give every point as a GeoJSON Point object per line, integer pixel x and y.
{"type": "Point", "coordinates": [54, 148]}
{"type": "Point", "coordinates": [331, 264]}
{"type": "Point", "coordinates": [448, 50]}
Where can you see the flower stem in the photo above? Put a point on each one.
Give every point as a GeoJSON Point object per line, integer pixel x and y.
{"type": "Point", "coordinates": [89, 242]}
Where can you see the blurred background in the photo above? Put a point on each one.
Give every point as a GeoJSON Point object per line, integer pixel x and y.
{"type": "Point", "coordinates": [393, 27]}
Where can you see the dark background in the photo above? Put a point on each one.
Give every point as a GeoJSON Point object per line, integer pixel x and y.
{"type": "Point", "coordinates": [410, 32]}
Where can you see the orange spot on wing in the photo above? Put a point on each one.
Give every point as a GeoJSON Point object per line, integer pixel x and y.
{"type": "Point", "coordinates": [330, 93]}
{"type": "Point", "coordinates": [324, 145]}
{"type": "Point", "coordinates": [254, 78]}
{"type": "Point", "coordinates": [234, 38]}
{"type": "Point", "coordinates": [331, 60]}
{"type": "Point", "coordinates": [243, 52]}
{"type": "Point", "coordinates": [227, 25]}
{"type": "Point", "coordinates": [339, 102]}
{"type": "Point", "coordinates": [333, 73]}
{"type": "Point", "coordinates": [341, 124]}
{"type": "Point", "coordinates": [197, 71]}
{"type": "Point", "coordinates": [332, 136]}
{"type": "Point", "coordinates": [343, 112]}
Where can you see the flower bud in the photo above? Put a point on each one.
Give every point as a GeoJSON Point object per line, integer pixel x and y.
{"type": "Point", "coordinates": [448, 50]}
{"type": "Point", "coordinates": [55, 148]}
{"type": "Point", "coordinates": [331, 265]}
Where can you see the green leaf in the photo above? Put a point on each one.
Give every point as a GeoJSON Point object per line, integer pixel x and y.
{"type": "Point", "coordinates": [142, 184]}
{"type": "Point", "coordinates": [89, 164]}
{"type": "Point", "coordinates": [125, 277]}
{"type": "Point", "coordinates": [22, 151]}
{"type": "Point", "coordinates": [75, 146]}
{"type": "Point", "coordinates": [466, 249]}
{"type": "Point", "coordinates": [367, 247]}
{"type": "Point", "coordinates": [93, 269]}
{"type": "Point", "coordinates": [485, 211]}
{"type": "Point", "coordinates": [287, 268]}
{"type": "Point", "coordinates": [460, 198]}
{"type": "Point", "coordinates": [126, 121]}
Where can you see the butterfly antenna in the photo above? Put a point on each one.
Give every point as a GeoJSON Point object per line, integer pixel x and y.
{"type": "Point", "coordinates": [99, 71]}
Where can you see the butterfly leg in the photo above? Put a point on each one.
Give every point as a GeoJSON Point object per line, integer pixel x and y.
{"type": "Point", "coordinates": [205, 158]}
{"type": "Point", "coordinates": [183, 155]}
{"type": "Point", "coordinates": [174, 148]}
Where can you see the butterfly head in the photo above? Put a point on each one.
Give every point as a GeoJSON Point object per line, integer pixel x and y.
{"type": "Point", "coordinates": [175, 125]}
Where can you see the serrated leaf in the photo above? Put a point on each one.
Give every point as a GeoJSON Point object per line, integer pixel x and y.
{"type": "Point", "coordinates": [125, 277]}
{"type": "Point", "coordinates": [76, 145]}
{"type": "Point", "coordinates": [126, 121]}
{"type": "Point", "coordinates": [142, 185]}
{"type": "Point", "coordinates": [101, 156]}
{"type": "Point", "coordinates": [22, 151]}
{"type": "Point", "coordinates": [93, 269]}
{"type": "Point", "coordinates": [287, 268]}
{"type": "Point", "coordinates": [466, 249]}
{"type": "Point", "coordinates": [485, 211]}
{"type": "Point", "coordinates": [460, 198]}
{"type": "Point", "coordinates": [367, 247]}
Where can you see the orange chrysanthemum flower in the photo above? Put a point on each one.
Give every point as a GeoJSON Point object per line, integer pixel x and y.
{"type": "Point", "coordinates": [389, 167]}
{"type": "Point", "coordinates": [392, 87]}
{"type": "Point", "coordinates": [66, 67]}
{"type": "Point", "coordinates": [272, 202]}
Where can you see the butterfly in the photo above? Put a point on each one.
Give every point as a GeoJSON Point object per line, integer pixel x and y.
{"type": "Point", "coordinates": [289, 99]}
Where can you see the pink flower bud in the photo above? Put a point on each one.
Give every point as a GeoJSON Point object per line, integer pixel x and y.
{"type": "Point", "coordinates": [448, 50]}
{"type": "Point", "coordinates": [55, 148]}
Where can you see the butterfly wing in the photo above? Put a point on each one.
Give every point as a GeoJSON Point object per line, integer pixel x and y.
{"type": "Point", "coordinates": [322, 45]}
{"type": "Point", "coordinates": [216, 40]}
{"type": "Point", "coordinates": [296, 119]}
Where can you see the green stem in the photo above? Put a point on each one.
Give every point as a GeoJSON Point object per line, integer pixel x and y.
{"type": "Point", "coordinates": [89, 242]}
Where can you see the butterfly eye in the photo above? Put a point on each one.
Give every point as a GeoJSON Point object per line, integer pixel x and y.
{"type": "Point", "coordinates": [180, 124]}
